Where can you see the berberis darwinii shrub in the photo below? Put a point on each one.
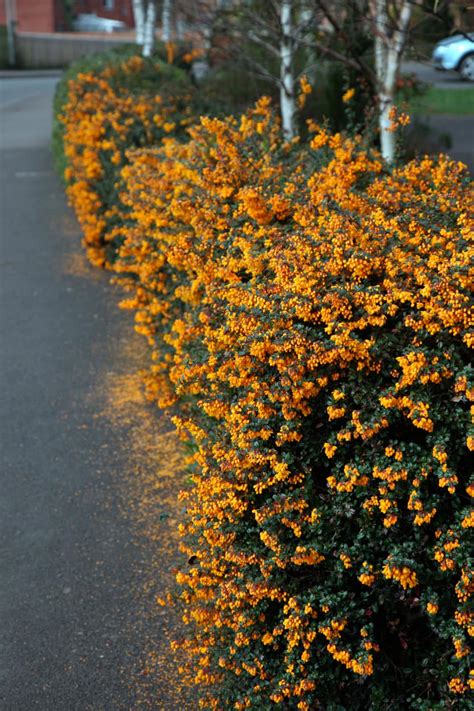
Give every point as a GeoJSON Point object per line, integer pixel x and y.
{"type": "Point", "coordinates": [311, 317]}
{"type": "Point", "coordinates": [105, 110]}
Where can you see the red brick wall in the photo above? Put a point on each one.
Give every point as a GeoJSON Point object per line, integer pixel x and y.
{"type": "Point", "coordinates": [122, 9]}
{"type": "Point", "coordinates": [48, 15]}
{"type": "Point", "coordinates": [36, 15]}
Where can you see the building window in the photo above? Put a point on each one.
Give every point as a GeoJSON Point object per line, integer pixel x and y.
{"type": "Point", "coordinates": [108, 4]}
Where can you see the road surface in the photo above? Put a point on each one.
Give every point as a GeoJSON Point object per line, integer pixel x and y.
{"type": "Point", "coordinates": [78, 583]}
{"type": "Point", "coordinates": [426, 73]}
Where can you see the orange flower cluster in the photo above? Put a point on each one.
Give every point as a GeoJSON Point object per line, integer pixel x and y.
{"type": "Point", "coordinates": [311, 319]}
{"type": "Point", "coordinates": [105, 115]}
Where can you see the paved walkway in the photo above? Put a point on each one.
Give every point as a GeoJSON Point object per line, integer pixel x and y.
{"type": "Point", "coordinates": [80, 561]}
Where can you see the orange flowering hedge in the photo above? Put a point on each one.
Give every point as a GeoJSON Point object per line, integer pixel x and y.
{"type": "Point", "coordinates": [311, 320]}
{"type": "Point", "coordinates": [117, 101]}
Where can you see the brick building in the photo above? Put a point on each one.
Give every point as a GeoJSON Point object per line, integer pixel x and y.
{"type": "Point", "coordinates": [49, 15]}
{"type": "Point", "coordinates": [36, 15]}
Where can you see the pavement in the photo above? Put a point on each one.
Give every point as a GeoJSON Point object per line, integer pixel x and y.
{"type": "Point", "coordinates": [74, 618]}
{"type": "Point", "coordinates": [426, 73]}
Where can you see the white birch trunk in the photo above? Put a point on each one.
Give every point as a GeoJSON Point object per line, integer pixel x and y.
{"type": "Point", "coordinates": [139, 17]}
{"type": "Point", "coordinates": [381, 23]}
{"type": "Point", "coordinates": [387, 135]}
{"type": "Point", "coordinates": [287, 80]}
{"type": "Point", "coordinates": [149, 33]}
{"type": "Point", "coordinates": [387, 105]}
{"type": "Point", "coordinates": [166, 21]}
{"type": "Point", "coordinates": [385, 102]}
{"type": "Point", "coordinates": [388, 54]}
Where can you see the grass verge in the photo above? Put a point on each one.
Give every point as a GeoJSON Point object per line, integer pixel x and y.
{"type": "Point", "coordinates": [444, 101]}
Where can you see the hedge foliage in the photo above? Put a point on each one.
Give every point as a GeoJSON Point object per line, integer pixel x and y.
{"type": "Point", "coordinates": [105, 106]}
{"type": "Point", "coordinates": [310, 317]}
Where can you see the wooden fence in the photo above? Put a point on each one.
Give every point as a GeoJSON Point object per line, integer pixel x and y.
{"type": "Point", "coordinates": [37, 50]}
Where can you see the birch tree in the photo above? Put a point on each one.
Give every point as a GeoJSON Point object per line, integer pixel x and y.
{"type": "Point", "coordinates": [279, 29]}
{"type": "Point", "coordinates": [287, 78]}
{"type": "Point", "coordinates": [273, 29]}
{"type": "Point", "coordinates": [138, 7]}
{"type": "Point", "coordinates": [149, 30]}
{"type": "Point", "coordinates": [390, 23]}
{"type": "Point", "coordinates": [166, 14]}
{"type": "Point", "coordinates": [144, 14]}
{"type": "Point", "coordinates": [293, 36]}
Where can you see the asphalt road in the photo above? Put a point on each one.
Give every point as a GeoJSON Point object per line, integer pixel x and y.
{"type": "Point", "coordinates": [426, 73]}
{"type": "Point", "coordinates": [70, 566]}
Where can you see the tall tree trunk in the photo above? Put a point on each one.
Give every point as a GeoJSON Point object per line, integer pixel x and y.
{"type": "Point", "coordinates": [387, 105]}
{"type": "Point", "coordinates": [388, 53]}
{"type": "Point", "coordinates": [139, 17]}
{"type": "Point", "coordinates": [149, 33]}
{"type": "Point", "coordinates": [287, 79]}
{"type": "Point", "coordinates": [385, 100]}
{"type": "Point", "coordinates": [166, 21]}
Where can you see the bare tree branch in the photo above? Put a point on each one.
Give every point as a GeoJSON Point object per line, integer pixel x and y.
{"type": "Point", "coordinates": [263, 43]}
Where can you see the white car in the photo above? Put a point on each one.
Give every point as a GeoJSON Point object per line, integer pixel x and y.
{"type": "Point", "coordinates": [88, 22]}
{"type": "Point", "coordinates": [456, 52]}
